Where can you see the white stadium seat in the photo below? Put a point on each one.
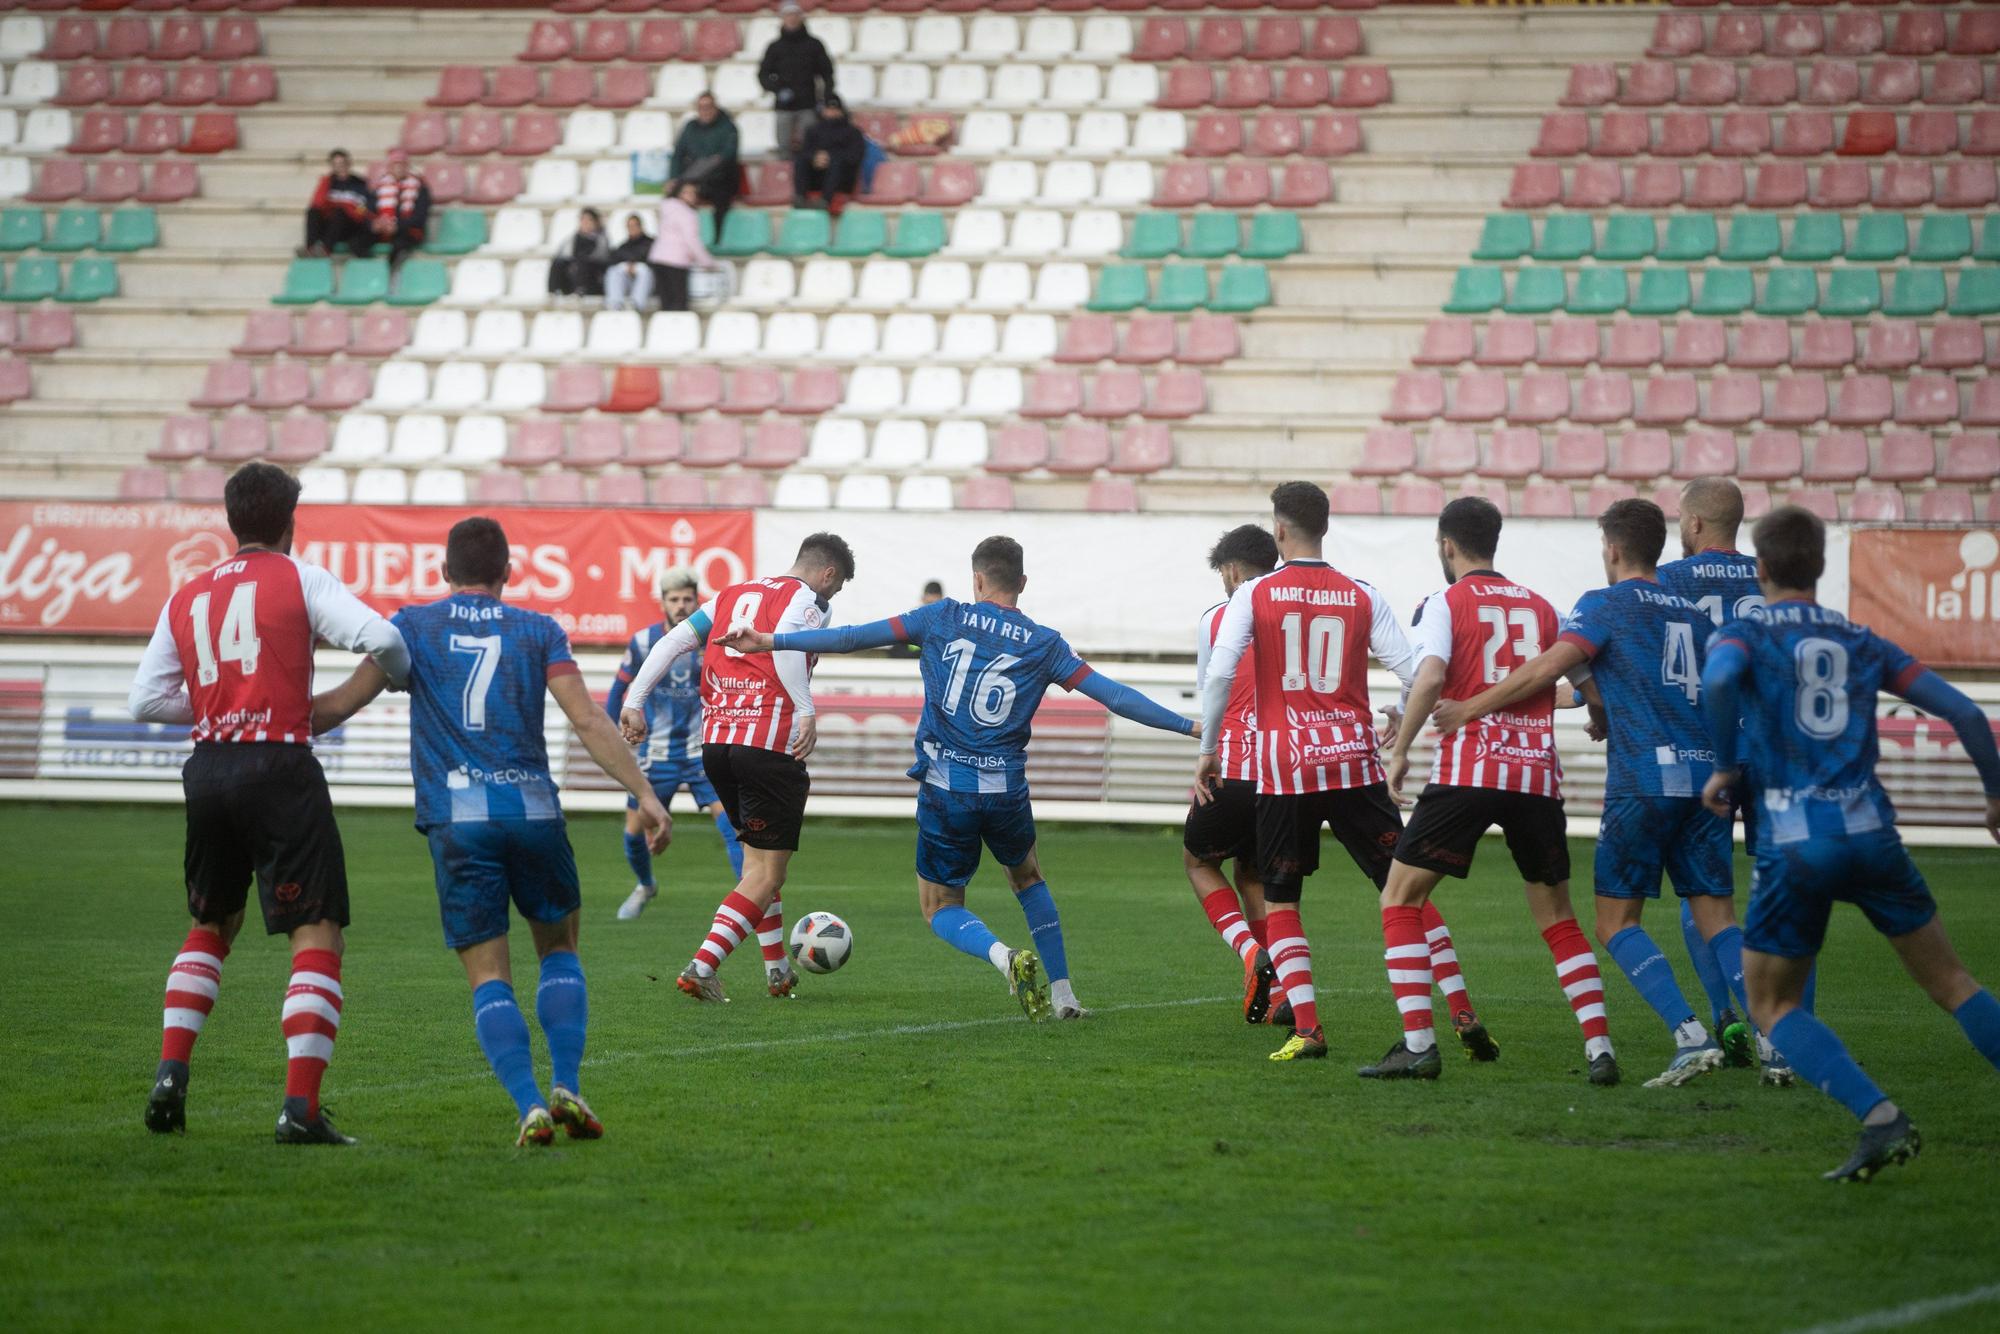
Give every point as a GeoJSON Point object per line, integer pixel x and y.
{"type": "Point", "coordinates": [960, 85]}
{"type": "Point", "coordinates": [399, 384]}
{"type": "Point", "coordinates": [678, 85]}
{"type": "Point", "coordinates": [959, 445]}
{"type": "Point", "coordinates": [439, 333]}
{"type": "Point", "coordinates": [1106, 37]}
{"type": "Point", "coordinates": [420, 437]}
{"type": "Point", "coordinates": [14, 177]}
{"type": "Point", "coordinates": [646, 129]}
{"type": "Point", "coordinates": [673, 333]}
{"type": "Point", "coordinates": [359, 437]}
{"type": "Point", "coordinates": [835, 32]}
{"type": "Point", "coordinates": [969, 337]}
{"type": "Point", "coordinates": [1125, 184]}
{"type": "Point", "coordinates": [732, 334]}
{"type": "Point", "coordinates": [34, 82]}
{"type": "Point", "coordinates": [993, 37]}
{"type": "Point", "coordinates": [1067, 184]}
{"type": "Point", "coordinates": [1042, 134]}
{"type": "Point", "coordinates": [923, 493]}
{"type": "Point", "coordinates": [10, 127]}
{"type": "Point", "coordinates": [552, 181]}
{"type": "Point", "coordinates": [756, 134]}
{"type": "Point", "coordinates": [516, 231]}
{"type": "Point", "coordinates": [556, 333]}
{"type": "Point", "coordinates": [873, 391]}
{"type": "Point", "coordinates": [1003, 285]}
{"type": "Point", "coordinates": [736, 86]}
{"type": "Point", "coordinates": [826, 282]}
{"type": "Point", "coordinates": [1028, 338]}
{"type": "Point", "coordinates": [994, 391]}
{"type": "Point", "coordinates": [857, 85]}
{"type": "Point", "coordinates": [615, 333]}
{"type": "Point", "coordinates": [903, 86]}
{"type": "Point", "coordinates": [21, 35]}
{"type": "Point", "coordinates": [761, 31]}
{"type": "Point", "coordinates": [1159, 132]}
{"type": "Point", "coordinates": [477, 440]}
{"type": "Point", "coordinates": [767, 282]}
{"type": "Point", "coordinates": [440, 486]}
{"type": "Point", "coordinates": [1102, 133]}
{"type": "Point", "coordinates": [1049, 36]}
{"type": "Point", "coordinates": [790, 336]}
{"type": "Point", "coordinates": [850, 335]}
{"type": "Point", "coordinates": [588, 132]}
{"type": "Point", "coordinates": [322, 486]}
{"type": "Point", "coordinates": [1018, 86]}
{"type": "Point", "coordinates": [609, 181]}
{"type": "Point", "coordinates": [1008, 182]}
{"type": "Point", "coordinates": [937, 37]}
{"type": "Point", "coordinates": [458, 385]}
{"type": "Point", "coordinates": [899, 445]}
{"type": "Point", "coordinates": [801, 491]}
{"type": "Point", "coordinates": [935, 391]}
{"type": "Point", "coordinates": [943, 284]}
{"type": "Point", "coordinates": [1061, 286]}
{"type": "Point", "coordinates": [884, 282]}
{"type": "Point", "coordinates": [976, 232]}
{"type": "Point", "coordinates": [475, 282]}
{"type": "Point", "coordinates": [1079, 86]}
{"type": "Point", "coordinates": [46, 130]}
{"type": "Point", "coordinates": [380, 486]}
{"type": "Point", "coordinates": [909, 336]}
{"type": "Point", "coordinates": [1095, 231]}
{"type": "Point", "coordinates": [1132, 85]}
{"type": "Point", "coordinates": [528, 284]}
{"type": "Point", "coordinates": [880, 37]}
{"type": "Point", "coordinates": [518, 385]}
{"type": "Point", "coordinates": [862, 491]}
{"type": "Point", "coordinates": [837, 442]}
{"type": "Point", "coordinates": [985, 134]}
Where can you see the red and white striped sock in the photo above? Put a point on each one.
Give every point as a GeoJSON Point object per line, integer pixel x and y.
{"type": "Point", "coordinates": [311, 1021]}
{"type": "Point", "coordinates": [1576, 970]}
{"type": "Point", "coordinates": [1444, 963]}
{"type": "Point", "coordinates": [735, 921]}
{"type": "Point", "coordinates": [192, 984]}
{"type": "Point", "coordinates": [1224, 916]}
{"type": "Point", "coordinates": [1293, 957]}
{"type": "Point", "coordinates": [1408, 960]}
{"type": "Point", "coordinates": [1259, 932]}
{"type": "Point", "coordinates": [771, 931]}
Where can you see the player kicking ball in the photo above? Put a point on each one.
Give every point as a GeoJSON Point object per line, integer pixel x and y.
{"type": "Point", "coordinates": [1795, 687]}
{"type": "Point", "coordinates": [671, 756]}
{"type": "Point", "coordinates": [986, 667]}
{"type": "Point", "coordinates": [486, 801]}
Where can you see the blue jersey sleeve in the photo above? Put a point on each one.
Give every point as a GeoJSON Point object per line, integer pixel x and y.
{"type": "Point", "coordinates": [557, 659]}
{"type": "Point", "coordinates": [1905, 676]}
{"type": "Point", "coordinates": [1068, 669]}
{"type": "Point", "coordinates": [1590, 623]}
{"type": "Point", "coordinates": [841, 639]}
{"type": "Point", "coordinates": [1721, 680]}
{"type": "Point", "coordinates": [628, 667]}
{"type": "Point", "coordinates": [915, 625]}
{"type": "Point", "coordinates": [1126, 702]}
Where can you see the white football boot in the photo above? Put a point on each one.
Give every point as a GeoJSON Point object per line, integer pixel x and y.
{"type": "Point", "coordinates": [635, 902]}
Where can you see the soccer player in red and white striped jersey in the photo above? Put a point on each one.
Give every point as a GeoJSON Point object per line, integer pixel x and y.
{"type": "Point", "coordinates": [1501, 769]}
{"type": "Point", "coordinates": [232, 656]}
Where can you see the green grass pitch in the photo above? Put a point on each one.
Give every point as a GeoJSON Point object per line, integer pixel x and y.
{"type": "Point", "coordinates": [897, 1150]}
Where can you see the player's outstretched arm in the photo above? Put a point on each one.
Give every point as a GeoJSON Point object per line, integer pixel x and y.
{"type": "Point", "coordinates": [835, 639]}
{"type": "Point", "coordinates": [1126, 702]}
{"type": "Point", "coordinates": [1536, 674]}
{"type": "Point", "coordinates": [608, 748]}
{"type": "Point", "coordinates": [344, 621]}
{"type": "Point", "coordinates": [1933, 694]}
{"type": "Point", "coordinates": [1721, 708]}
{"type": "Point", "coordinates": [333, 707]}
{"type": "Point", "coordinates": [1423, 698]}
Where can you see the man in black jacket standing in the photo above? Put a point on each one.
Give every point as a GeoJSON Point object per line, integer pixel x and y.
{"type": "Point", "coordinates": [798, 73]}
{"type": "Point", "coordinates": [829, 160]}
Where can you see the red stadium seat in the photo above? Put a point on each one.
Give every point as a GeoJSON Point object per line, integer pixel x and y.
{"type": "Point", "coordinates": [567, 86]}
{"type": "Point", "coordinates": [476, 133]}
{"type": "Point", "coordinates": [1838, 456]}
{"type": "Point", "coordinates": [265, 332]}
{"type": "Point", "coordinates": [1514, 451]}
{"type": "Point", "coordinates": [1760, 343]}
{"type": "Point", "coordinates": [1216, 136]}
{"type": "Point", "coordinates": [1901, 185]}
{"type": "Point", "coordinates": [126, 39]}
{"type": "Point", "coordinates": [233, 39]}
{"type": "Point", "coordinates": [653, 441]}
{"type": "Point", "coordinates": [133, 483]}
{"type": "Point", "coordinates": [1945, 505]}
{"type": "Point", "coordinates": [1187, 87]}
{"type": "Point", "coordinates": [103, 132]}
{"type": "Point", "coordinates": [342, 385]}
{"type": "Point", "coordinates": [1182, 185]}
{"type": "Point", "coordinates": [193, 85]}
{"type": "Point", "coordinates": [1018, 447]}
{"type": "Point", "coordinates": [1697, 343]}
{"type": "Point", "coordinates": [532, 134]}
{"type": "Point", "coordinates": [1734, 399]}
{"type": "Point", "coordinates": [1591, 85]}
{"type": "Point", "coordinates": [556, 488]}
{"type": "Point", "coordinates": [71, 39]}
{"type": "Point", "coordinates": [1968, 185]}
{"type": "Point", "coordinates": [1839, 185]}
{"type": "Point", "coordinates": [1478, 396]}
{"type": "Point", "coordinates": [1595, 185]}
{"type": "Point", "coordinates": [1650, 83]}
{"type": "Point", "coordinates": [1210, 339]}
{"type": "Point", "coordinates": [621, 86]}
{"type": "Point", "coordinates": [1716, 185]}
{"type": "Point", "coordinates": [1564, 134]}
{"type": "Point", "coordinates": [157, 132]}
{"type": "Point", "coordinates": [1052, 394]}
{"type": "Point", "coordinates": [1831, 82]}
{"type": "Point", "coordinates": [1354, 498]}
{"type": "Point", "coordinates": [1546, 500]}
{"type": "Point", "coordinates": [549, 39]}
{"type": "Point", "coordinates": [1509, 340]}
{"type": "Point", "coordinates": [1710, 84]}
{"type": "Point", "coordinates": [951, 184]}
{"type": "Point", "coordinates": [1956, 81]}
{"type": "Point", "coordinates": [1571, 342]}
{"type": "Point", "coordinates": [1111, 495]}
{"type": "Point", "coordinates": [1955, 345]}
{"type": "Point", "coordinates": [1669, 399]}
{"type": "Point", "coordinates": [1774, 456]}
{"type": "Point", "coordinates": [1890, 345]}
{"type": "Point", "coordinates": [1929, 133]}
{"type": "Point", "coordinates": [1856, 33]}
{"type": "Point", "coordinates": [1603, 397]}
{"type": "Point", "coordinates": [1870, 134]}
{"type": "Point", "coordinates": [1982, 136]}
{"type": "Point", "coordinates": [1796, 34]}
{"type": "Point", "coordinates": [1985, 409]}
{"type": "Point", "coordinates": [1603, 494]}
{"type": "Point", "coordinates": [536, 442]}
{"type": "Point", "coordinates": [424, 132]}
{"type": "Point", "coordinates": [775, 444]}
{"type": "Point", "coordinates": [1771, 83]}
{"type": "Point", "coordinates": [227, 384]}
{"type": "Point", "coordinates": [716, 442]}
{"type": "Point", "coordinates": [1634, 344]}
{"type": "Point", "coordinates": [605, 39]}
{"type": "Point", "coordinates": [1387, 451]}
{"type": "Point", "coordinates": [1825, 345]}
{"type": "Point", "coordinates": [1304, 185]}
{"type": "Point", "coordinates": [1361, 86]}
{"type": "Point", "coordinates": [1535, 185]}
{"type": "Point", "coordinates": [87, 85]}
{"type": "Point", "coordinates": [1971, 457]}
{"type": "Point", "coordinates": [1417, 396]}
{"type": "Point", "coordinates": [1334, 37]}
{"type": "Point", "coordinates": [715, 40]}
{"type": "Point", "coordinates": [1680, 35]}
{"type": "Point", "coordinates": [1333, 135]}
{"type": "Point", "coordinates": [1862, 400]}
{"type": "Point", "coordinates": [1682, 134]}
{"type": "Point", "coordinates": [1161, 39]}
{"type": "Point", "coordinates": [1448, 340]}
{"type": "Point", "coordinates": [1143, 447]}
{"type": "Point", "coordinates": [1448, 451]}
{"type": "Point", "coordinates": [1642, 455]}
{"type": "Point", "coordinates": [1928, 400]}
{"type": "Point", "coordinates": [1251, 86]}
{"type": "Point", "coordinates": [1797, 400]}
{"type": "Point", "coordinates": [986, 493]}
{"type": "Point", "coordinates": [594, 442]}
{"type": "Point", "coordinates": [1081, 448]}
{"type": "Point", "coordinates": [177, 39]}
{"type": "Point", "coordinates": [518, 85]}
{"type": "Point", "coordinates": [1735, 35]}
{"type": "Point", "coordinates": [499, 488]}
{"type": "Point", "coordinates": [1744, 134]}
{"type": "Point", "coordinates": [181, 437]}
{"type": "Point", "coordinates": [1659, 185]}
{"type": "Point", "coordinates": [285, 384]}
{"type": "Point", "coordinates": [659, 41]}
{"type": "Point", "coordinates": [211, 132]}
{"type": "Point", "coordinates": [1221, 39]}
{"type": "Point", "coordinates": [1539, 397]}
{"type": "Point", "coordinates": [1088, 338]}
{"type": "Point", "coordinates": [1248, 184]}
{"type": "Point", "coordinates": [1414, 497]}
{"type": "Point", "coordinates": [1779, 185]}
{"type": "Point", "coordinates": [494, 183]}
{"type": "Point", "coordinates": [322, 333]}
{"type": "Point", "coordinates": [240, 436]}
{"type": "Point", "coordinates": [245, 85]}
{"type": "Point", "coordinates": [1148, 340]}
{"type": "Point", "coordinates": [458, 86]}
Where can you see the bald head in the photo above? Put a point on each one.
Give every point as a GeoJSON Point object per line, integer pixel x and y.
{"type": "Point", "coordinates": [1711, 512]}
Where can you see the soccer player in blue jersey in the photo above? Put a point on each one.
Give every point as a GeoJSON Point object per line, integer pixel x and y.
{"type": "Point", "coordinates": [986, 667]}
{"type": "Point", "coordinates": [1796, 687]}
{"type": "Point", "coordinates": [671, 755]}
{"type": "Point", "coordinates": [487, 802]}
{"type": "Point", "coordinates": [1641, 646]}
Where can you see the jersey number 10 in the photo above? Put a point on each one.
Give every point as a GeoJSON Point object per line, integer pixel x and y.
{"type": "Point", "coordinates": [1315, 658]}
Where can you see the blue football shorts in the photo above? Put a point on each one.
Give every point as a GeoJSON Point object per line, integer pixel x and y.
{"type": "Point", "coordinates": [1641, 837]}
{"type": "Point", "coordinates": [670, 776]}
{"type": "Point", "coordinates": [482, 867]}
{"type": "Point", "coordinates": [951, 827]}
{"type": "Point", "coordinates": [1798, 884]}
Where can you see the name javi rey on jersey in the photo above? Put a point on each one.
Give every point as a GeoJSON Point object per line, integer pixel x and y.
{"type": "Point", "coordinates": [995, 625]}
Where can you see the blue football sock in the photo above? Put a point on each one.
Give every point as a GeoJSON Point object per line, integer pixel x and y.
{"type": "Point", "coordinates": [1810, 998]}
{"type": "Point", "coordinates": [730, 844]}
{"type": "Point", "coordinates": [503, 1036]}
{"type": "Point", "coordinates": [958, 928]}
{"type": "Point", "coordinates": [1705, 967]}
{"type": "Point", "coordinates": [640, 858]}
{"type": "Point", "coordinates": [563, 1005]}
{"type": "Point", "coordinates": [1039, 907]}
{"type": "Point", "coordinates": [1817, 1053]}
{"type": "Point", "coordinates": [1980, 1018]}
{"type": "Point", "coordinates": [1727, 947]}
{"type": "Point", "coordinates": [1651, 975]}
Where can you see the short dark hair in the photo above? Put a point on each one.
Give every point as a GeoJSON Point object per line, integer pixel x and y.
{"type": "Point", "coordinates": [260, 499]}
{"type": "Point", "coordinates": [932, 588]}
{"type": "Point", "coordinates": [1791, 544]}
{"type": "Point", "coordinates": [1473, 525]}
{"type": "Point", "coordinates": [1000, 560]}
{"type": "Point", "coordinates": [1248, 545]}
{"type": "Point", "coordinates": [340, 152]}
{"type": "Point", "coordinates": [476, 553]}
{"type": "Point", "coordinates": [827, 549]}
{"type": "Point", "coordinates": [1638, 528]}
{"type": "Point", "coordinates": [1302, 506]}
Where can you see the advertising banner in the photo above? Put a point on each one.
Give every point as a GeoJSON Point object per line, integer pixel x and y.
{"type": "Point", "coordinates": [1934, 591]}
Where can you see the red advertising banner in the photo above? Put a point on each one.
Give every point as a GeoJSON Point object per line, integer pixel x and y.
{"type": "Point", "coordinates": [104, 568]}
{"type": "Point", "coordinates": [1934, 591]}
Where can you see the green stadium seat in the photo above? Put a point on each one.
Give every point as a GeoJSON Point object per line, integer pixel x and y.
{"type": "Point", "coordinates": [704, 222]}
{"type": "Point", "coordinates": [1565, 236]}
{"type": "Point", "coordinates": [1274, 236]}
{"type": "Point", "coordinates": [1943, 238]}
{"type": "Point", "coordinates": [362, 282]}
{"type": "Point", "coordinates": [1629, 237]}
{"type": "Point", "coordinates": [1753, 237]}
{"type": "Point", "coordinates": [1989, 240]}
{"type": "Point", "coordinates": [420, 282]}
{"type": "Point", "coordinates": [1916, 293]}
{"type": "Point", "coordinates": [459, 231]}
{"type": "Point", "coordinates": [1978, 291]}
{"type": "Point", "coordinates": [306, 281]}
{"type": "Point", "coordinates": [1881, 237]}
{"type": "Point", "coordinates": [1598, 291]}
{"type": "Point", "coordinates": [1477, 289]}
{"type": "Point", "coordinates": [1663, 291]}
{"type": "Point", "coordinates": [1691, 238]}
{"type": "Point", "coordinates": [805, 231]}
{"type": "Point", "coordinates": [1789, 291]}
{"type": "Point", "coordinates": [1536, 292]}
{"type": "Point", "coordinates": [1153, 236]}
{"type": "Point", "coordinates": [20, 228]}
{"type": "Point", "coordinates": [1505, 236]}
{"type": "Point", "coordinates": [863, 232]}
{"type": "Point", "coordinates": [1816, 237]}
{"type": "Point", "coordinates": [1120, 287]}
{"type": "Point", "coordinates": [35, 279]}
{"type": "Point", "coordinates": [1242, 287]}
{"type": "Point", "coordinates": [91, 280]}
{"type": "Point", "coordinates": [1852, 292]}
{"type": "Point", "coordinates": [1181, 287]}
{"type": "Point", "coordinates": [746, 231]}
{"type": "Point", "coordinates": [1213, 236]}
{"type": "Point", "coordinates": [1725, 291]}
{"type": "Point", "coordinates": [131, 229]}
{"type": "Point", "coordinates": [919, 235]}
{"type": "Point", "coordinates": [75, 229]}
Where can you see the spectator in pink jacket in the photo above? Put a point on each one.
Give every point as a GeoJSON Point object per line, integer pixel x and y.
{"type": "Point", "coordinates": [677, 247]}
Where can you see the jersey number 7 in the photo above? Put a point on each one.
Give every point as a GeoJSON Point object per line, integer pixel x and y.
{"type": "Point", "coordinates": [485, 651]}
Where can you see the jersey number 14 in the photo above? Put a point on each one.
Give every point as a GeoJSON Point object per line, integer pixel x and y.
{"type": "Point", "coordinates": [237, 643]}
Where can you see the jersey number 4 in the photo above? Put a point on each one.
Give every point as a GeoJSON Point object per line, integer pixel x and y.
{"type": "Point", "coordinates": [485, 651]}
{"type": "Point", "coordinates": [1677, 660]}
{"type": "Point", "coordinates": [238, 642]}
{"type": "Point", "coordinates": [1315, 657]}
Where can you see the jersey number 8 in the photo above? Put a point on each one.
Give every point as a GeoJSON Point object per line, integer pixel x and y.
{"type": "Point", "coordinates": [1820, 706]}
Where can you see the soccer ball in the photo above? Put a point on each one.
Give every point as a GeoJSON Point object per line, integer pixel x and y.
{"type": "Point", "coordinates": [821, 942]}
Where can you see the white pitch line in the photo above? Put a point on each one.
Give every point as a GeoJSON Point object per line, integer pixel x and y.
{"type": "Point", "coordinates": [1910, 1313]}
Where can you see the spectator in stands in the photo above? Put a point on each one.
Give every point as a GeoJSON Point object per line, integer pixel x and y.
{"type": "Point", "coordinates": [705, 153]}
{"type": "Point", "coordinates": [678, 247]}
{"type": "Point", "coordinates": [402, 207]}
{"type": "Point", "coordinates": [933, 592]}
{"type": "Point", "coordinates": [798, 74]}
{"type": "Point", "coordinates": [629, 280]}
{"type": "Point", "coordinates": [829, 161]}
{"type": "Point", "coordinates": [578, 267]}
{"type": "Point", "coordinates": [338, 214]}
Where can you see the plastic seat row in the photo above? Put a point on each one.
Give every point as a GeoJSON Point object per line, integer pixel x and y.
{"type": "Point", "coordinates": [1080, 448]}
{"type": "Point", "coordinates": [1698, 343]}
{"type": "Point", "coordinates": [79, 229]}
{"type": "Point", "coordinates": [1419, 497]}
{"type": "Point", "coordinates": [1853, 32]}
{"type": "Point", "coordinates": [523, 85]}
{"type": "Point", "coordinates": [1182, 287]}
{"type": "Point", "coordinates": [1800, 133]}
{"type": "Point", "coordinates": [322, 333]}
{"type": "Point", "coordinates": [939, 284]}
{"type": "Point", "coordinates": [1050, 134]}
{"type": "Point", "coordinates": [828, 12]}
{"type": "Point", "coordinates": [1965, 183]}
{"type": "Point", "coordinates": [136, 38]}
{"type": "Point", "coordinates": [460, 386]}
{"type": "Point", "coordinates": [1299, 184]}
{"type": "Point", "coordinates": [282, 384]}
{"type": "Point", "coordinates": [1216, 235]}
{"type": "Point", "coordinates": [363, 281]}
{"type": "Point", "coordinates": [1115, 394]}
{"type": "Point", "coordinates": [36, 330]}
{"type": "Point", "coordinates": [476, 133]}
{"type": "Point", "coordinates": [492, 181]}
{"type": "Point", "coordinates": [1011, 86]}
{"type": "Point", "coordinates": [1728, 290]}
{"type": "Point", "coordinates": [154, 132]}
{"type": "Point", "coordinates": [34, 279]}
{"type": "Point", "coordinates": [1276, 134]}
{"type": "Point", "coordinates": [1247, 85]}
{"type": "Point", "coordinates": [1674, 398]}
{"type": "Point", "coordinates": [873, 39]}
{"type": "Point", "coordinates": [192, 85]}
{"type": "Point", "coordinates": [1746, 238]}
{"type": "Point", "coordinates": [1951, 81]}
{"type": "Point", "coordinates": [110, 181]}
{"type": "Point", "coordinates": [1333, 37]}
